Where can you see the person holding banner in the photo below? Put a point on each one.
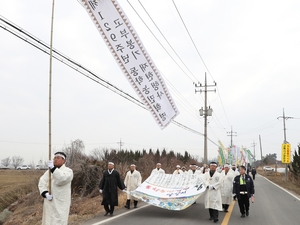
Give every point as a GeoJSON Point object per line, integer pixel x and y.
{"type": "Point", "coordinates": [158, 169]}
{"type": "Point", "coordinates": [213, 198]}
{"type": "Point", "coordinates": [226, 188]}
{"type": "Point", "coordinates": [193, 169]}
{"type": "Point", "coordinates": [133, 179]}
{"type": "Point", "coordinates": [108, 186]}
{"type": "Point", "coordinates": [57, 203]}
{"type": "Point", "coordinates": [243, 189]}
{"type": "Point", "coordinates": [178, 170]}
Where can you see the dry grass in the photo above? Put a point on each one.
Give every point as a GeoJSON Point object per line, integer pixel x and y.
{"type": "Point", "coordinates": [16, 186]}
{"type": "Point", "coordinates": [279, 178]}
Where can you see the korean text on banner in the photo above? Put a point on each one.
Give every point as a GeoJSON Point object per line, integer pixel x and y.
{"type": "Point", "coordinates": [170, 191]}
{"type": "Point", "coordinates": [133, 59]}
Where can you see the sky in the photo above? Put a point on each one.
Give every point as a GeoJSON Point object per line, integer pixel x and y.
{"type": "Point", "coordinates": [251, 49]}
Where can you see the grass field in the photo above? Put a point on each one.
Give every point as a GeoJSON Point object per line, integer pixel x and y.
{"type": "Point", "coordinates": [21, 186]}
{"type": "Point", "coordinates": [15, 184]}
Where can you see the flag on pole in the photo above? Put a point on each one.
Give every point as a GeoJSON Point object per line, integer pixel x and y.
{"type": "Point", "coordinates": [133, 59]}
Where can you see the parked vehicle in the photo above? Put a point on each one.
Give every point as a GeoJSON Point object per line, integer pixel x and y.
{"type": "Point", "coordinates": [23, 167]}
{"type": "Point", "coordinates": [40, 167]}
{"type": "Point", "coordinates": [268, 168]}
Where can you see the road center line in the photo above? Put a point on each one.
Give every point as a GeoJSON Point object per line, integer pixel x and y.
{"type": "Point", "coordinates": [228, 214]}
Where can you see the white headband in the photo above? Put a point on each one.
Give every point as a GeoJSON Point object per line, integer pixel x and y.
{"type": "Point", "coordinates": [58, 154]}
{"type": "Point", "coordinates": [213, 164]}
{"type": "Point", "coordinates": [111, 163]}
{"type": "Point", "coordinates": [132, 165]}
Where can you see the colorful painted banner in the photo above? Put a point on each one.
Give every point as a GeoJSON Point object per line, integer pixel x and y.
{"type": "Point", "coordinates": [133, 59]}
{"type": "Point", "coordinates": [170, 191]}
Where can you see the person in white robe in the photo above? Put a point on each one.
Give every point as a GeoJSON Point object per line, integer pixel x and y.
{"type": "Point", "coordinates": [157, 170]}
{"type": "Point", "coordinates": [193, 169]}
{"type": "Point", "coordinates": [133, 179]}
{"type": "Point", "coordinates": [227, 186]}
{"type": "Point", "coordinates": [56, 205]}
{"type": "Point", "coordinates": [213, 198]}
{"type": "Point", "coordinates": [178, 170]}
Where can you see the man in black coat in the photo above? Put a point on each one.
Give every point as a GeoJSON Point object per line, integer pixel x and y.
{"type": "Point", "coordinates": [109, 185]}
{"type": "Point", "coordinates": [243, 189]}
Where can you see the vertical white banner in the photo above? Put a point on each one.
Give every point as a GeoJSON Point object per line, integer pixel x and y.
{"type": "Point", "coordinates": [132, 58]}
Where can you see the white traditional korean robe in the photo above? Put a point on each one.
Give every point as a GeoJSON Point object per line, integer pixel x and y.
{"type": "Point", "coordinates": [227, 186]}
{"type": "Point", "coordinates": [213, 198]}
{"type": "Point", "coordinates": [132, 181]}
{"type": "Point", "coordinates": [178, 171]}
{"type": "Point", "coordinates": [56, 212]}
{"type": "Point", "coordinates": [156, 171]}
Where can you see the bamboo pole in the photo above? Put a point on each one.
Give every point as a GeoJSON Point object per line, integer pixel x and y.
{"type": "Point", "coordinates": [50, 92]}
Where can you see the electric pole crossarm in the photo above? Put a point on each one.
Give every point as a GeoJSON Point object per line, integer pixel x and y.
{"type": "Point", "coordinates": [206, 111]}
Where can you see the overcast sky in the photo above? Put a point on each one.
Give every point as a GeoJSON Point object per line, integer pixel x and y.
{"type": "Point", "coordinates": [250, 48]}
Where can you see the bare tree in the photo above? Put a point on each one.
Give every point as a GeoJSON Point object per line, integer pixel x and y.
{"type": "Point", "coordinates": [17, 161]}
{"type": "Point", "coordinates": [75, 153]}
{"type": "Point", "coordinates": [5, 162]}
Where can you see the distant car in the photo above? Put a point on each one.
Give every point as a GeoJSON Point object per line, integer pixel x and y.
{"type": "Point", "coordinates": [23, 167]}
{"type": "Point", "coordinates": [4, 168]}
{"type": "Point", "coordinates": [40, 167]}
{"type": "Point", "coordinates": [268, 168]}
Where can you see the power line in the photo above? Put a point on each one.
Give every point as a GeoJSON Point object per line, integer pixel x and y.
{"type": "Point", "coordinates": [200, 58]}
{"type": "Point", "coordinates": [77, 67]}
{"type": "Point", "coordinates": [158, 40]}
{"type": "Point", "coordinates": [167, 40]}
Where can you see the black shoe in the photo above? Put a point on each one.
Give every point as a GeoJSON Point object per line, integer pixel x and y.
{"type": "Point", "coordinates": [247, 213]}
{"type": "Point", "coordinates": [135, 206]}
{"type": "Point", "coordinates": [111, 214]}
{"type": "Point", "coordinates": [106, 213]}
{"type": "Point", "coordinates": [243, 215]}
{"type": "Point", "coordinates": [216, 220]}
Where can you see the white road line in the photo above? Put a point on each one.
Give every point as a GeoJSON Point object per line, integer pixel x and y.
{"type": "Point", "coordinates": [282, 188]}
{"type": "Point", "coordinates": [123, 214]}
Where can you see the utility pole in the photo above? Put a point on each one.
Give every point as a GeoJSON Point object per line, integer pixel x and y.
{"type": "Point", "coordinates": [253, 145]}
{"type": "Point", "coordinates": [284, 135]}
{"type": "Point", "coordinates": [261, 156]}
{"type": "Point", "coordinates": [231, 133]}
{"type": "Point", "coordinates": [206, 111]}
{"type": "Point", "coordinates": [120, 143]}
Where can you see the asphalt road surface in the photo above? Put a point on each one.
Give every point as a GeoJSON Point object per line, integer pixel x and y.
{"type": "Point", "coordinates": [272, 206]}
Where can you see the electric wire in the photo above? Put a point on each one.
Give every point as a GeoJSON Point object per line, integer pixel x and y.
{"type": "Point", "coordinates": [200, 57]}
{"type": "Point", "coordinates": [77, 67]}
{"type": "Point", "coordinates": [167, 40]}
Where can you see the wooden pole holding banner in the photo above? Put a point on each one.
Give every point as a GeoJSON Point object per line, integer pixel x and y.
{"type": "Point", "coordinates": [50, 91]}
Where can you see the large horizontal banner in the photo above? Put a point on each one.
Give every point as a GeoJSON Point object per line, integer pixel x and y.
{"type": "Point", "coordinates": [170, 191]}
{"type": "Point", "coordinates": [132, 58]}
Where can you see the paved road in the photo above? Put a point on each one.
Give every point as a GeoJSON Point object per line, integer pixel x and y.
{"type": "Point", "coordinates": [273, 206]}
